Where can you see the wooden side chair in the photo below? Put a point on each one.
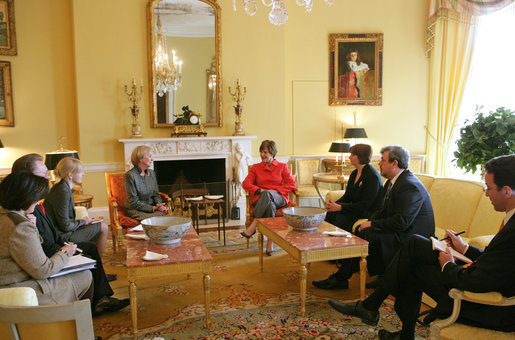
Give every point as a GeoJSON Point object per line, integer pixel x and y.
{"type": "Point", "coordinates": [305, 168]}
{"type": "Point", "coordinates": [449, 329]}
{"type": "Point", "coordinates": [116, 198]}
{"type": "Point", "coordinates": [293, 198]}
{"type": "Point", "coordinates": [71, 321]}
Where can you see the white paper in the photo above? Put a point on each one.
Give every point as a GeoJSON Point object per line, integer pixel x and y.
{"type": "Point", "coordinates": [137, 228]}
{"type": "Point", "coordinates": [138, 236]}
{"type": "Point", "coordinates": [336, 233]}
{"type": "Point", "coordinates": [151, 256]}
{"type": "Point", "coordinates": [198, 198]}
{"type": "Point", "coordinates": [76, 263]}
{"type": "Point", "coordinates": [214, 197]}
{"type": "Point", "coordinates": [441, 246]}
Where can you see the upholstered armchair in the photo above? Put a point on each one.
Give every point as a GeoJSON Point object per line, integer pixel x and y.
{"type": "Point", "coordinates": [293, 198]}
{"type": "Point", "coordinates": [305, 168]}
{"type": "Point", "coordinates": [116, 198]}
{"type": "Point", "coordinates": [448, 329]}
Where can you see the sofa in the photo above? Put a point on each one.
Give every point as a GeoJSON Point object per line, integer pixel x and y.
{"type": "Point", "coordinates": [459, 205]}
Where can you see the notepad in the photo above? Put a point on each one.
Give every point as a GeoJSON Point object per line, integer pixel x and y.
{"type": "Point", "coordinates": [441, 246]}
{"type": "Point", "coordinates": [76, 263]}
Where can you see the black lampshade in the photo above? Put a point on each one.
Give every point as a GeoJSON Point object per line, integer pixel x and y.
{"type": "Point", "coordinates": [355, 133]}
{"type": "Point", "coordinates": [52, 158]}
{"type": "Point", "coordinates": [1, 145]}
{"type": "Point", "coordinates": [339, 147]}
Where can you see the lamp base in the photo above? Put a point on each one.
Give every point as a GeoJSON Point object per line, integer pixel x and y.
{"type": "Point", "coordinates": [238, 129]}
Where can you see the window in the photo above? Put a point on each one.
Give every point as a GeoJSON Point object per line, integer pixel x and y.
{"type": "Point", "coordinates": [491, 77]}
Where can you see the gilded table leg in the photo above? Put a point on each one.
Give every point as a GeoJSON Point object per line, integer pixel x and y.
{"type": "Point", "coordinates": [362, 276]}
{"type": "Point", "coordinates": [134, 307]}
{"type": "Point", "coordinates": [260, 247]}
{"type": "Point", "coordinates": [318, 191]}
{"type": "Point", "coordinates": [207, 298]}
{"type": "Point", "coordinates": [303, 279]}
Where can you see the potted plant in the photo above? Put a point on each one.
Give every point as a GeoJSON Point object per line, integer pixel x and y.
{"type": "Point", "coordinates": [487, 136]}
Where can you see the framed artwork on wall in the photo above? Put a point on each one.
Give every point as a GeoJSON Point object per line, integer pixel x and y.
{"type": "Point", "coordinates": [7, 28]}
{"type": "Point", "coordinates": [355, 69]}
{"type": "Point", "coordinates": [6, 98]}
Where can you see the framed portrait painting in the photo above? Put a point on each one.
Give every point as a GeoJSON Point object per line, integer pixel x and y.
{"type": "Point", "coordinates": [6, 98]}
{"type": "Point", "coordinates": [7, 28]}
{"type": "Point", "coordinates": [355, 69]}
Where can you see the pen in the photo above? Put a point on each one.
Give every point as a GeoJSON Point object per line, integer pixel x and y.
{"type": "Point", "coordinates": [78, 250]}
{"type": "Point", "coordinates": [447, 238]}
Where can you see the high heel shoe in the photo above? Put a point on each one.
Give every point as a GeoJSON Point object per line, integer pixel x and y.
{"type": "Point", "coordinates": [269, 252]}
{"type": "Point", "coordinates": [247, 236]}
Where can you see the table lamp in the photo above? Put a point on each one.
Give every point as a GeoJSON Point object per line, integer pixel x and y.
{"type": "Point", "coordinates": [52, 158]}
{"type": "Point", "coordinates": [340, 148]}
{"type": "Point", "coordinates": [355, 133]}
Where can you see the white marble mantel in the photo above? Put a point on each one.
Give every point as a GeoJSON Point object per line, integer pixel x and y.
{"type": "Point", "coordinates": [236, 150]}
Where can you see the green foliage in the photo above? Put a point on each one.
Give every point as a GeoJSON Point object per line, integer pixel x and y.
{"type": "Point", "coordinates": [487, 136]}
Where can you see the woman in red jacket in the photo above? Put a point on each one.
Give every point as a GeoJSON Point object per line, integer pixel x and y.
{"type": "Point", "coordinates": [269, 182]}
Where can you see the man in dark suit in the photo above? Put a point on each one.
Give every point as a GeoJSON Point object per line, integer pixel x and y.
{"type": "Point", "coordinates": [52, 242]}
{"type": "Point", "coordinates": [417, 268]}
{"type": "Point", "coordinates": [402, 209]}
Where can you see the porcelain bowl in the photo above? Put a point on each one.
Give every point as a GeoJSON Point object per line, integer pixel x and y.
{"type": "Point", "coordinates": [304, 218]}
{"type": "Point", "coordinates": [166, 229]}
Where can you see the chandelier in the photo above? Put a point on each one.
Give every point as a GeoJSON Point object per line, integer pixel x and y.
{"type": "Point", "coordinates": [278, 15]}
{"type": "Point", "coordinates": [167, 78]}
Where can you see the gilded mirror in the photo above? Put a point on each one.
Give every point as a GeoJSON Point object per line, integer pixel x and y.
{"type": "Point", "coordinates": [190, 33]}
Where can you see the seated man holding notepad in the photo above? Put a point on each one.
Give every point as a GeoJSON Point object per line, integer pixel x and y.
{"type": "Point", "coordinates": [52, 242]}
{"type": "Point", "coordinates": [421, 267]}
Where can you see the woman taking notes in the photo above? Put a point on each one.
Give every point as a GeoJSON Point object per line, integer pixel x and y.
{"type": "Point", "coordinates": [60, 207]}
{"type": "Point", "coordinates": [22, 260]}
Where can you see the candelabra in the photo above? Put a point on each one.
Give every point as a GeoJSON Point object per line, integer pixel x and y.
{"type": "Point", "coordinates": [134, 97]}
{"type": "Point", "coordinates": [238, 95]}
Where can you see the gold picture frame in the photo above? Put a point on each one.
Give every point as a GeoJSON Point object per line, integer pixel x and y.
{"type": "Point", "coordinates": [6, 98]}
{"type": "Point", "coordinates": [7, 28]}
{"type": "Point", "coordinates": [355, 69]}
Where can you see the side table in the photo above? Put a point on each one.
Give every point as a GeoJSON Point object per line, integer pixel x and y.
{"type": "Point", "coordinates": [220, 203]}
{"type": "Point", "coordinates": [84, 200]}
{"type": "Point", "coordinates": [328, 177]}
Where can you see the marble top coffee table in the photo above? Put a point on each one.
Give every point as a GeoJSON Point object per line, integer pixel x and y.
{"type": "Point", "coordinates": [187, 257]}
{"type": "Point", "coordinates": [312, 246]}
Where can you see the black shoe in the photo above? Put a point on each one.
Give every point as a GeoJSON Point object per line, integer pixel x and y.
{"type": "Point", "coordinates": [247, 236]}
{"type": "Point", "coordinates": [269, 252]}
{"type": "Point", "coordinates": [111, 277]}
{"type": "Point", "coordinates": [370, 317]}
{"type": "Point", "coordinates": [372, 284]}
{"type": "Point", "coordinates": [385, 335]}
{"type": "Point", "coordinates": [109, 304]}
{"type": "Point", "coordinates": [98, 338]}
{"type": "Point", "coordinates": [332, 282]}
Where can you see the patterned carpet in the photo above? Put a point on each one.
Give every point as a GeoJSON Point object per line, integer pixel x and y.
{"type": "Point", "coordinates": [245, 303]}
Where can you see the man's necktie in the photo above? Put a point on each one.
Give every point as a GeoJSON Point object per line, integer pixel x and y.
{"type": "Point", "coordinates": [502, 225]}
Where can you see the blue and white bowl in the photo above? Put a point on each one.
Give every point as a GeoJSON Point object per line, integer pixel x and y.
{"type": "Point", "coordinates": [304, 218]}
{"type": "Point", "coordinates": [166, 229]}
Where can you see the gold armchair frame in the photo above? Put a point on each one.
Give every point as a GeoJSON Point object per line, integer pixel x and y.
{"type": "Point", "coordinates": [116, 226]}
{"type": "Point", "coordinates": [490, 298]}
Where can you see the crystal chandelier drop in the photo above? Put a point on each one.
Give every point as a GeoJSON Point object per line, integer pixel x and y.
{"type": "Point", "coordinates": [278, 15]}
{"type": "Point", "coordinates": [167, 78]}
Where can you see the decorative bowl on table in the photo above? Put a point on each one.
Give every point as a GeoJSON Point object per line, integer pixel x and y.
{"type": "Point", "coordinates": [166, 229]}
{"type": "Point", "coordinates": [304, 218]}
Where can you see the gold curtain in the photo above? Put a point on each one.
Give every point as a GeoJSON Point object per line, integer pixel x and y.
{"type": "Point", "coordinates": [450, 56]}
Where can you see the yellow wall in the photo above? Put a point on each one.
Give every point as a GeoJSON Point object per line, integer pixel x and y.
{"type": "Point", "coordinates": [74, 56]}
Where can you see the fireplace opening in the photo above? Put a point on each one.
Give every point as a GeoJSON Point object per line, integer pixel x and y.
{"type": "Point", "coordinates": [191, 177]}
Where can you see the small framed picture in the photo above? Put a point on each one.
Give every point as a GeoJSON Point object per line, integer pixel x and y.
{"type": "Point", "coordinates": [6, 98]}
{"type": "Point", "coordinates": [355, 69]}
{"type": "Point", "coordinates": [7, 28]}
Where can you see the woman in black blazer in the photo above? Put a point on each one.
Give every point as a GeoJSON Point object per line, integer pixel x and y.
{"type": "Point", "coordinates": [362, 189]}
{"type": "Point", "coordinates": [60, 207]}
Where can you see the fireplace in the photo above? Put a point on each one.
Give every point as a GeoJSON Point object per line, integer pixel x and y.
{"type": "Point", "coordinates": [205, 162]}
{"type": "Point", "coordinates": [174, 175]}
